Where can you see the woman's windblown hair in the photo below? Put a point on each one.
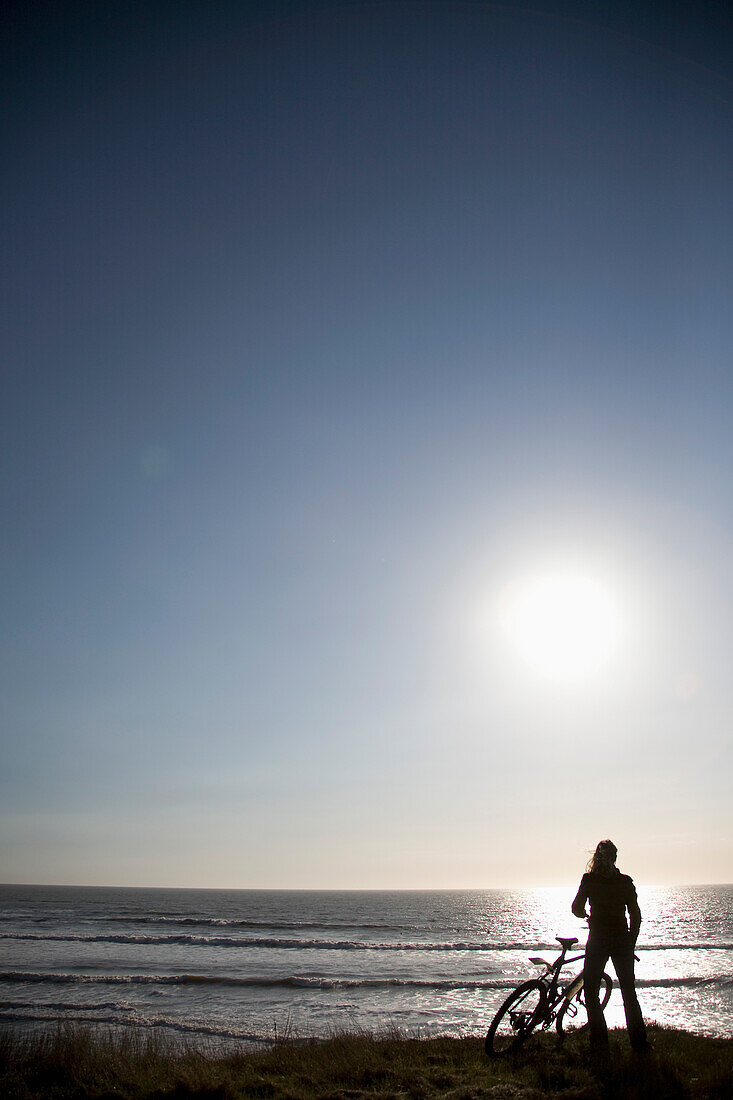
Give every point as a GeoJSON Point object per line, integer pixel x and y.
{"type": "Point", "coordinates": [603, 861]}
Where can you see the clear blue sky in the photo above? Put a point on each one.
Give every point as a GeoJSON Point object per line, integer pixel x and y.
{"type": "Point", "coordinates": [324, 326]}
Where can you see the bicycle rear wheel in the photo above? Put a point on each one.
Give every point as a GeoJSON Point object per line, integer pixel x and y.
{"type": "Point", "coordinates": [516, 1018]}
{"type": "Point", "coordinates": [573, 1016]}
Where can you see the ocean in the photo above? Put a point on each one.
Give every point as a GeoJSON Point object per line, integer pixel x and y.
{"type": "Point", "coordinates": [254, 965]}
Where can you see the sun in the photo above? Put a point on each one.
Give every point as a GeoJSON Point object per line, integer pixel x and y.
{"type": "Point", "coordinates": [564, 625]}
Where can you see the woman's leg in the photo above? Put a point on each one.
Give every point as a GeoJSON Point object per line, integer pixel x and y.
{"type": "Point", "coordinates": [623, 961]}
{"type": "Point", "coordinates": [596, 956]}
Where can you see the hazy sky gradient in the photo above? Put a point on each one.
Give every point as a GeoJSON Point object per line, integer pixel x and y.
{"type": "Point", "coordinates": [322, 325]}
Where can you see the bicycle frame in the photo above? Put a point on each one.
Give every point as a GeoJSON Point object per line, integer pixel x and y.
{"type": "Point", "coordinates": [555, 994]}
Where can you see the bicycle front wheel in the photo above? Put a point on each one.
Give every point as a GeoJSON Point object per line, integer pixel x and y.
{"type": "Point", "coordinates": [573, 1016]}
{"type": "Point", "coordinates": [516, 1018]}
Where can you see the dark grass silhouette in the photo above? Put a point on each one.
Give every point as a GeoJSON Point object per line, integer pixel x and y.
{"type": "Point", "coordinates": [84, 1064]}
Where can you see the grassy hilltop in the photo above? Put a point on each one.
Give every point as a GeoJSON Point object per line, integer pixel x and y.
{"type": "Point", "coordinates": [79, 1064]}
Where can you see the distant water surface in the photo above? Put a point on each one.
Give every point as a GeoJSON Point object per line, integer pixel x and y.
{"type": "Point", "coordinates": [251, 964]}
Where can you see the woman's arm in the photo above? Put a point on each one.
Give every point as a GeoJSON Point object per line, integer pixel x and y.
{"type": "Point", "coordinates": [634, 912]}
{"type": "Point", "coordinates": [581, 898]}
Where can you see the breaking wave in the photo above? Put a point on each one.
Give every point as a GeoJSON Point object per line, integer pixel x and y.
{"type": "Point", "coordinates": [222, 922]}
{"type": "Point", "coordinates": [292, 981]}
{"type": "Point", "coordinates": [273, 942]}
{"type": "Point", "coordinates": [298, 944]}
{"type": "Point", "coordinates": [308, 982]}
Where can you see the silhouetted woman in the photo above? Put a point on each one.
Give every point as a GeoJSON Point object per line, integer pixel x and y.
{"type": "Point", "coordinates": [610, 895]}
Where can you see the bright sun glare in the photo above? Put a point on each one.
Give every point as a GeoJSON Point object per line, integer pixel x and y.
{"type": "Point", "coordinates": [564, 625]}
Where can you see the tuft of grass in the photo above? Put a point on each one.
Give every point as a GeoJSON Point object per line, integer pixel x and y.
{"type": "Point", "coordinates": [72, 1063]}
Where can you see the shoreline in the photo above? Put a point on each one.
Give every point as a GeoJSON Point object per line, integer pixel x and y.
{"type": "Point", "coordinates": [93, 1063]}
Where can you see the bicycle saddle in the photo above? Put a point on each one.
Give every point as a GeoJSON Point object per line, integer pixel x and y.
{"type": "Point", "coordinates": [566, 941]}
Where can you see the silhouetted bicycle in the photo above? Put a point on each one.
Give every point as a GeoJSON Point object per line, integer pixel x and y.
{"type": "Point", "coordinates": [539, 1002]}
